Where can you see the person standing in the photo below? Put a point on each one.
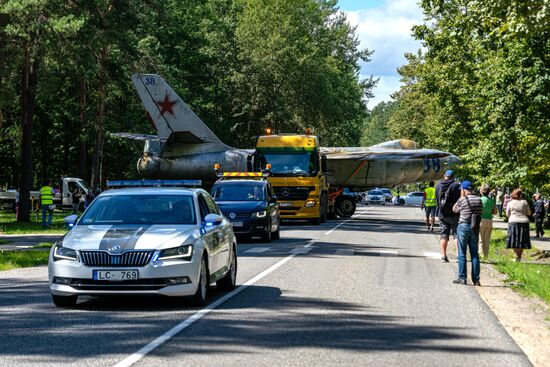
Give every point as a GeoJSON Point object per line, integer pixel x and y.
{"type": "Point", "coordinates": [429, 203]}
{"type": "Point", "coordinates": [46, 204]}
{"type": "Point", "coordinates": [499, 198]}
{"type": "Point", "coordinates": [76, 200]}
{"type": "Point", "coordinates": [518, 212]}
{"type": "Point", "coordinates": [489, 209]}
{"type": "Point", "coordinates": [447, 193]}
{"type": "Point", "coordinates": [469, 208]}
{"type": "Point", "coordinates": [540, 213]}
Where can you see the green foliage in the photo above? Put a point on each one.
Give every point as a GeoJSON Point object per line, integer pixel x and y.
{"type": "Point", "coordinates": [376, 129]}
{"type": "Point", "coordinates": [240, 64]}
{"type": "Point", "coordinates": [480, 89]}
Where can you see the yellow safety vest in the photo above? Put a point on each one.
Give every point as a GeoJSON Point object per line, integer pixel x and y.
{"type": "Point", "coordinates": [430, 197]}
{"type": "Point", "coordinates": [46, 197]}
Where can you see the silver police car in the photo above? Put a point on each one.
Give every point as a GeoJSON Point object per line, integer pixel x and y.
{"type": "Point", "coordinates": [162, 241]}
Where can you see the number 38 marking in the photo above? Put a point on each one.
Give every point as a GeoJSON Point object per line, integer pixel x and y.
{"type": "Point", "coordinates": [149, 80]}
{"type": "Point", "coordinates": [432, 163]}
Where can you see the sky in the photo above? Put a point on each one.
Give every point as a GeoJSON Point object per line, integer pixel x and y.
{"type": "Point", "coordinates": [385, 27]}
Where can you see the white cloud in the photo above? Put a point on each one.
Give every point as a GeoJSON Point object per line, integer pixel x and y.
{"type": "Point", "coordinates": [387, 31]}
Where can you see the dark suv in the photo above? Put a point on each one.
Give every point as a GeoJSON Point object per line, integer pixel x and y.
{"type": "Point", "coordinates": [250, 205]}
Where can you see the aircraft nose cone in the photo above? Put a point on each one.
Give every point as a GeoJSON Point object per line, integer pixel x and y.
{"type": "Point", "coordinates": [148, 166]}
{"type": "Point", "coordinates": [453, 161]}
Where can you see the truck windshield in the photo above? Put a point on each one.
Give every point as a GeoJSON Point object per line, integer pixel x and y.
{"type": "Point", "coordinates": [140, 209]}
{"type": "Point", "coordinates": [290, 164]}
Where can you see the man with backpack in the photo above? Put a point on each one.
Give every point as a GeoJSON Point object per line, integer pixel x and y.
{"type": "Point", "coordinates": [447, 193]}
{"type": "Point", "coordinates": [469, 207]}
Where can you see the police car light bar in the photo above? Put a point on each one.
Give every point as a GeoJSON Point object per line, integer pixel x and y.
{"type": "Point", "coordinates": [154, 183]}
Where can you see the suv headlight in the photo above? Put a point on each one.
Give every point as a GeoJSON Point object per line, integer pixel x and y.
{"type": "Point", "coordinates": [259, 214]}
{"type": "Point", "coordinates": [65, 253]}
{"type": "Point", "coordinates": [184, 252]}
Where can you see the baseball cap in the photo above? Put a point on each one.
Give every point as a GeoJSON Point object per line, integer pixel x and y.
{"type": "Point", "coordinates": [449, 173]}
{"type": "Point", "coordinates": [466, 185]}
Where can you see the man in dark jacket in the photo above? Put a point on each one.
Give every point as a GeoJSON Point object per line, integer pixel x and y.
{"type": "Point", "coordinates": [447, 193]}
{"type": "Point", "coordinates": [540, 212]}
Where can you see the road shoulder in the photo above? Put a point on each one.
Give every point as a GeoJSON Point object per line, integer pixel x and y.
{"type": "Point", "coordinates": [524, 318]}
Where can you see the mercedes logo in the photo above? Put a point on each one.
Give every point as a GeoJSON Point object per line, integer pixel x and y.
{"type": "Point", "coordinates": [285, 191]}
{"type": "Point", "coordinates": [232, 215]}
{"type": "Point", "coordinates": [115, 248]}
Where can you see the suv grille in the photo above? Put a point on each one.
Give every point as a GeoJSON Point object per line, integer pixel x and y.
{"type": "Point", "coordinates": [293, 192]}
{"type": "Point", "coordinates": [128, 258]}
{"type": "Point", "coordinates": [237, 215]}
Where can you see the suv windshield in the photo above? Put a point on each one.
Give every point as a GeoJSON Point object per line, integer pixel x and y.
{"type": "Point", "coordinates": [140, 209]}
{"type": "Point", "coordinates": [291, 164]}
{"type": "Point", "coordinates": [239, 191]}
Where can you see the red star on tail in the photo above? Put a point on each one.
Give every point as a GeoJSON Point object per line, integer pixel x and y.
{"type": "Point", "coordinates": [166, 106]}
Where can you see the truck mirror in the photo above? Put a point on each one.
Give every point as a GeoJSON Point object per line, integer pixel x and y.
{"type": "Point", "coordinates": [324, 164]}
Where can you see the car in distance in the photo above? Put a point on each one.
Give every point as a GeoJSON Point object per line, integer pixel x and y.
{"type": "Point", "coordinates": [250, 205]}
{"type": "Point", "coordinates": [375, 197]}
{"type": "Point", "coordinates": [146, 241]}
{"type": "Point", "coordinates": [413, 198]}
{"type": "Point", "coordinates": [387, 194]}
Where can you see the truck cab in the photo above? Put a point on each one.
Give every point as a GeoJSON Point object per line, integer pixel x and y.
{"type": "Point", "coordinates": [297, 174]}
{"type": "Point", "coordinates": [63, 198]}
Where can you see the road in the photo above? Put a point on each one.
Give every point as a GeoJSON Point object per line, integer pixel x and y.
{"type": "Point", "coordinates": [370, 290]}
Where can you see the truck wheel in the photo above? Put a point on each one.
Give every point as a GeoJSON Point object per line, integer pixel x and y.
{"type": "Point", "coordinates": [345, 206]}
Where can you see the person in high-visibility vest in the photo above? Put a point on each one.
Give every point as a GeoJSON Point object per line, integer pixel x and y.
{"type": "Point", "coordinates": [46, 203]}
{"type": "Point", "coordinates": [429, 202]}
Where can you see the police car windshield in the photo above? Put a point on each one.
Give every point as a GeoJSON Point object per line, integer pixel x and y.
{"type": "Point", "coordinates": [375, 192]}
{"type": "Point", "coordinates": [238, 191]}
{"type": "Point", "coordinates": [140, 209]}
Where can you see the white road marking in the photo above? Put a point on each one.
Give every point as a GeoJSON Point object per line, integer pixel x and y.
{"type": "Point", "coordinates": [133, 358]}
{"type": "Point", "coordinates": [347, 220]}
{"type": "Point", "coordinates": [432, 255]}
{"type": "Point", "coordinates": [300, 250]}
{"type": "Point", "coordinates": [388, 252]}
{"type": "Point", "coordinates": [257, 250]}
{"type": "Point", "coordinates": [345, 252]}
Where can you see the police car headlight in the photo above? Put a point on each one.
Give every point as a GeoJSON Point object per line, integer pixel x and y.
{"type": "Point", "coordinates": [259, 214]}
{"type": "Point", "coordinates": [63, 253]}
{"type": "Point", "coordinates": [310, 203]}
{"type": "Point", "coordinates": [184, 252]}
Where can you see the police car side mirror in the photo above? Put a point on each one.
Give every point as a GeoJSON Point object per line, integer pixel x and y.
{"type": "Point", "coordinates": [213, 220]}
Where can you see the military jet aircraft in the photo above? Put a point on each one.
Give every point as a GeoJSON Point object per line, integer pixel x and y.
{"type": "Point", "coordinates": [185, 148]}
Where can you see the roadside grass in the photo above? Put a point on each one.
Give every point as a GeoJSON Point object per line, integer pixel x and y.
{"type": "Point", "coordinates": [9, 225]}
{"type": "Point", "coordinates": [527, 277]}
{"type": "Point", "coordinates": [44, 245]}
{"type": "Point", "coordinates": [22, 259]}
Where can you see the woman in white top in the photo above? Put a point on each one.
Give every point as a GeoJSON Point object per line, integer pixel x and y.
{"type": "Point", "coordinates": [518, 212]}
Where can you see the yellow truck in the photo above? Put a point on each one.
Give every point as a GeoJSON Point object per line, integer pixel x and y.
{"type": "Point", "coordinates": [297, 173]}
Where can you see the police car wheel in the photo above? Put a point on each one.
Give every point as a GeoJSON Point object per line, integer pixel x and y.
{"type": "Point", "coordinates": [199, 298]}
{"type": "Point", "coordinates": [228, 282]}
{"type": "Point", "coordinates": [64, 301]}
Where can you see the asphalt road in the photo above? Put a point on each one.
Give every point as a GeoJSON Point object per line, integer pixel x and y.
{"type": "Point", "coordinates": [367, 291]}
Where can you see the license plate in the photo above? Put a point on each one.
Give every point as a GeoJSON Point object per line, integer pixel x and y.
{"type": "Point", "coordinates": [116, 275]}
{"type": "Point", "coordinates": [285, 205]}
{"type": "Point", "coordinates": [237, 224]}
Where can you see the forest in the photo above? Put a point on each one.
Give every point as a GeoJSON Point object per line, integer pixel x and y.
{"type": "Point", "coordinates": [478, 87]}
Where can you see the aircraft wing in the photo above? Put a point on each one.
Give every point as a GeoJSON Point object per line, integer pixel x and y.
{"type": "Point", "coordinates": [139, 137]}
{"type": "Point", "coordinates": [381, 154]}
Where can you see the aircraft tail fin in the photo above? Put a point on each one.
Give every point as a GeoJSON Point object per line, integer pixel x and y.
{"type": "Point", "coordinates": [174, 121]}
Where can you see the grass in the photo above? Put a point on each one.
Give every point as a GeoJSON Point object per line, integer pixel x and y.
{"type": "Point", "coordinates": [44, 245]}
{"type": "Point", "coordinates": [8, 224]}
{"type": "Point", "coordinates": [22, 259]}
{"type": "Point", "coordinates": [528, 278]}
